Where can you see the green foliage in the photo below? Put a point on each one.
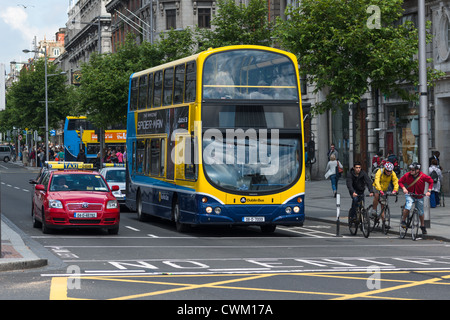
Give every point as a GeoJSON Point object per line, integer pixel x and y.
{"type": "Point", "coordinates": [342, 53]}
{"type": "Point", "coordinates": [236, 24]}
{"type": "Point", "coordinates": [103, 91]}
{"type": "Point", "coordinates": [26, 99]}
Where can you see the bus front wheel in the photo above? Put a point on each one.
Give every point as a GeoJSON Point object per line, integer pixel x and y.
{"type": "Point", "coordinates": [176, 214]}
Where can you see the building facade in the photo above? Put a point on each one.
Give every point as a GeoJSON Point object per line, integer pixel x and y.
{"type": "Point", "coordinates": [359, 131]}
{"type": "Point", "coordinates": [88, 31]}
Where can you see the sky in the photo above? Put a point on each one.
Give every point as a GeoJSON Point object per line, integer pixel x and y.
{"type": "Point", "coordinates": [22, 20]}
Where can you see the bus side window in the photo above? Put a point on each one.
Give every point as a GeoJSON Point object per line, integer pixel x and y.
{"type": "Point", "coordinates": [190, 171]}
{"type": "Point", "coordinates": [142, 92]}
{"type": "Point", "coordinates": [134, 94]}
{"type": "Point", "coordinates": [155, 157]}
{"type": "Point", "coordinates": [168, 87]}
{"type": "Point", "coordinates": [158, 89]}
{"type": "Point", "coordinates": [140, 156]}
{"type": "Point", "coordinates": [179, 84]}
{"type": "Point", "coordinates": [133, 159]}
{"type": "Point", "coordinates": [191, 76]}
{"type": "Point", "coordinates": [150, 90]}
{"type": "Point", "coordinates": [163, 157]}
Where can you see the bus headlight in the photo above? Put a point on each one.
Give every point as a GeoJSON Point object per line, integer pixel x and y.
{"type": "Point", "coordinates": [217, 210]}
{"type": "Point", "coordinates": [209, 209]}
{"type": "Point", "coordinates": [288, 210]}
{"type": "Point", "coordinates": [296, 209]}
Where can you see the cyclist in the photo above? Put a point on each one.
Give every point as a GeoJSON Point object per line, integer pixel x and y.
{"type": "Point", "coordinates": [357, 181]}
{"type": "Point", "coordinates": [383, 178]}
{"type": "Point", "coordinates": [414, 182]}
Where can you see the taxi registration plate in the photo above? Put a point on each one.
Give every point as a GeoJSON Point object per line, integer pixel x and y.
{"type": "Point", "coordinates": [85, 215]}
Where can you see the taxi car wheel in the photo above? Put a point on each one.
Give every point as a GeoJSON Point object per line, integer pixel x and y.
{"type": "Point", "coordinates": [114, 230]}
{"type": "Point", "coordinates": [36, 223]}
{"type": "Point", "coordinates": [45, 228]}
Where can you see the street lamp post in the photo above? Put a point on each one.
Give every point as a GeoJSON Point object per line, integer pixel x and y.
{"type": "Point", "coordinates": [46, 94]}
{"type": "Point", "coordinates": [423, 106]}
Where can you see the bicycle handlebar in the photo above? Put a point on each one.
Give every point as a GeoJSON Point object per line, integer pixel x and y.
{"type": "Point", "coordinates": [416, 194]}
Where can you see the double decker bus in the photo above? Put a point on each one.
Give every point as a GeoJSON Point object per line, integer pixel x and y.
{"type": "Point", "coordinates": [81, 133]}
{"type": "Point", "coordinates": [216, 139]}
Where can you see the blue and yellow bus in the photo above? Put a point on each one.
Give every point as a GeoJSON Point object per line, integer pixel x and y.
{"type": "Point", "coordinates": [216, 139]}
{"type": "Point", "coordinates": [80, 132]}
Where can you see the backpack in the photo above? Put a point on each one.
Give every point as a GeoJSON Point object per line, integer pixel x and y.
{"type": "Point", "coordinates": [434, 176]}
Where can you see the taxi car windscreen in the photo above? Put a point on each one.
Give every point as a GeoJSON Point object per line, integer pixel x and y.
{"type": "Point", "coordinates": [115, 175]}
{"type": "Point", "coordinates": [78, 182]}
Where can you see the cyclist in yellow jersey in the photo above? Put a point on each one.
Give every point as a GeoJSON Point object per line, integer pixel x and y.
{"type": "Point", "coordinates": [383, 178]}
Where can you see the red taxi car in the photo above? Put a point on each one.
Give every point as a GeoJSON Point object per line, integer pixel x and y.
{"type": "Point", "coordinates": [75, 198]}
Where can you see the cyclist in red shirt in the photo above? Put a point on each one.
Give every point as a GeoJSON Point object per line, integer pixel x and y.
{"type": "Point", "coordinates": [414, 182]}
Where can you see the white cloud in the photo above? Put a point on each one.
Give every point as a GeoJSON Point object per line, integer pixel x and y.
{"type": "Point", "coordinates": [17, 19]}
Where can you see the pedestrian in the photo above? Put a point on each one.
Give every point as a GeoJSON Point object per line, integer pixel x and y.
{"type": "Point", "coordinates": [333, 151]}
{"type": "Point", "coordinates": [332, 172]}
{"type": "Point", "coordinates": [81, 157]}
{"type": "Point", "coordinates": [61, 153]}
{"type": "Point", "coordinates": [25, 157]}
{"type": "Point", "coordinates": [436, 175]}
{"type": "Point", "coordinates": [119, 156]}
{"type": "Point", "coordinates": [33, 157]}
{"type": "Point", "coordinates": [435, 155]}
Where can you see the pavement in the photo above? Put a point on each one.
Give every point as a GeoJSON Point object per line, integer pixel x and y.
{"type": "Point", "coordinates": [19, 251]}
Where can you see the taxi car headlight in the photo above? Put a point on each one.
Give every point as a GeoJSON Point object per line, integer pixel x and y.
{"type": "Point", "coordinates": [56, 204]}
{"type": "Point", "coordinates": [112, 204]}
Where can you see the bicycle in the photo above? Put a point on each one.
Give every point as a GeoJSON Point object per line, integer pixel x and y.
{"type": "Point", "coordinates": [362, 219]}
{"type": "Point", "coordinates": [375, 220]}
{"type": "Point", "coordinates": [412, 221]}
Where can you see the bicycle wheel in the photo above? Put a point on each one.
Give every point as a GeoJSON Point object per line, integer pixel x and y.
{"type": "Point", "coordinates": [352, 225]}
{"type": "Point", "coordinates": [415, 224]}
{"type": "Point", "coordinates": [387, 220]}
{"type": "Point", "coordinates": [402, 230]}
{"type": "Point", "coordinates": [372, 219]}
{"type": "Point", "coordinates": [365, 222]}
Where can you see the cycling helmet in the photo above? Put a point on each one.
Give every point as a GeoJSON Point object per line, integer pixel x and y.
{"type": "Point", "coordinates": [388, 166]}
{"type": "Point", "coordinates": [414, 165]}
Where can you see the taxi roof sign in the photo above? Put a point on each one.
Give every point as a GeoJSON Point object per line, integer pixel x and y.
{"type": "Point", "coordinates": [105, 165]}
{"type": "Point", "coordinates": [69, 165]}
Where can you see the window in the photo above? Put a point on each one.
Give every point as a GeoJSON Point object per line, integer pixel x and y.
{"type": "Point", "coordinates": [168, 87]}
{"type": "Point", "coordinates": [171, 19]}
{"type": "Point", "coordinates": [140, 156]}
{"type": "Point", "coordinates": [134, 94]}
{"type": "Point", "coordinates": [155, 154]}
{"type": "Point", "coordinates": [142, 92]}
{"type": "Point", "coordinates": [191, 75]}
{"type": "Point", "coordinates": [179, 84]}
{"type": "Point", "coordinates": [204, 18]}
{"type": "Point", "coordinates": [158, 89]}
{"type": "Point", "coordinates": [150, 90]}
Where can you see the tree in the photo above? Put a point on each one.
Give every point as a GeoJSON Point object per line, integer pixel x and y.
{"type": "Point", "coordinates": [237, 24]}
{"type": "Point", "coordinates": [26, 99]}
{"type": "Point", "coordinates": [103, 93]}
{"type": "Point", "coordinates": [346, 47]}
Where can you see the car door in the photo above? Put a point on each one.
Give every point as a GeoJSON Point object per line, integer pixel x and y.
{"type": "Point", "coordinates": [39, 195]}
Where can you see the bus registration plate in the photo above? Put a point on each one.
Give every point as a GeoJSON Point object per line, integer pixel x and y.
{"type": "Point", "coordinates": [253, 219]}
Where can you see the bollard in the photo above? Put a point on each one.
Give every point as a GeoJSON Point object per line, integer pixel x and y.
{"type": "Point", "coordinates": [338, 212]}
